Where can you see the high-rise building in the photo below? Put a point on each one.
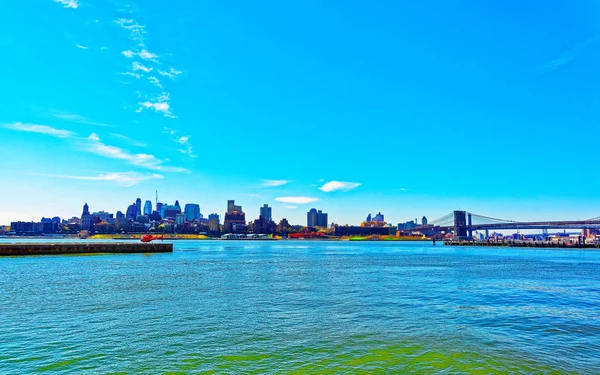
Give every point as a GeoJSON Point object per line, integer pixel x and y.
{"type": "Point", "coordinates": [147, 208]}
{"type": "Point", "coordinates": [180, 219]}
{"type": "Point", "coordinates": [130, 213]}
{"type": "Point", "coordinates": [368, 218]}
{"type": "Point", "coordinates": [316, 218]}
{"type": "Point", "coordinates": [232, 207]}
{"type": "Point", "coordinates": [265, 211]}
{"type": "Point", "coordinates": [138, 207]}
{"type": "Point", "coordinates": [379, 218]}
{"type": "Point", "coordinates": [192, 211]}
{"type": "Point", "coordinates": [177, 205]}
{"type": "Point", "coordinates": [119, 215]}
{"type": "Point", "coordinates": [170, 211]}
{"type": "Point", "coordinates": [424, 221]}
{"type": "Point", "coordinates": [214, 223]}
{"type": "Point", "coordinates": [86, 210]}
{"type": "Point", "coordinates": [159, 208]}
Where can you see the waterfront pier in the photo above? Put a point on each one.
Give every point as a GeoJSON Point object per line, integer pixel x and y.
{"type": "Point", "coordinates": [57, 248]}
{"type": "Point", "coordinates": [520, 243]}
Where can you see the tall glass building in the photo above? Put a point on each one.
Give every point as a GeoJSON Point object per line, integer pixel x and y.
{"type": "Point", "coordinates": [192, 211]}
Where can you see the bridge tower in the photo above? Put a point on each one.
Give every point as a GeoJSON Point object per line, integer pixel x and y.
{"type": "Point", "coordinates": [460, 224]}
{"type": "Point", "coordinates": [469, 223]}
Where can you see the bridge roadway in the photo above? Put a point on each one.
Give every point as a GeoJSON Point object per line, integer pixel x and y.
{"type": "Point", "coordinates": [584, 224]}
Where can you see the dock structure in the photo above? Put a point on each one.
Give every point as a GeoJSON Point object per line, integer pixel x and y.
{"type": "Point", "coordinates": [519, 243]}
{"type": "Point", "coordinates": [58, 248]}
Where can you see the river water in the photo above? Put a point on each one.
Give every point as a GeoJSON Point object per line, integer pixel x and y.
{"type": "Point", "coordinates": [294, 307]}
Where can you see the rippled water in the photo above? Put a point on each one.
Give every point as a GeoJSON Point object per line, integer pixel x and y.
{"type": "Point", "coordinates": [294, 307]}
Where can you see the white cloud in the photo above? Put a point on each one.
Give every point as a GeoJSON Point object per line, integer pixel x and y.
{"type": "Point", "coordinates": [338, 186]}
{"type": "Point", "coordinates": [290, 207]}
{"type": "Point", "coordinates": [68, 3]}
{"type": "Point", "coordinates": [147, 55]}
{"type": "Point", "coordinates": [167, 130]}
{"type": "Point", "coordinates": [137, 66]}
{"type": "Point", "coordinates": [121, 178]}
{"type": "Point", "coordinates": [81, 47]}
{"type": "Point", "coordinates": [171, 73]}
{"type": "Point", "coordinates": [95, 146]}
{"type": "Point", "coordinates": [296, 200]}
{"type": "Point", "coordinates": [273, 183]}
{"type": "Point", "coordinates": [160, 104]}
{"type": "Point", "coordinates": [155, 82]}
{"type": "Point", "coordinates": [183, 140]}
{"type": "Point", "coordinates": [144, 54]}
{"type": "Point", "coordinates": [41, 129]}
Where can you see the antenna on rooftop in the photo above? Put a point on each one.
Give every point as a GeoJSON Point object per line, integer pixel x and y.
{"type": "Point", "coordinates": [156, 196]}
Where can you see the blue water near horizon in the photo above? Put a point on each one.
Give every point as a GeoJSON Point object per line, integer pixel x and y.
{"type": "Point", "coordinates": [303, 307]}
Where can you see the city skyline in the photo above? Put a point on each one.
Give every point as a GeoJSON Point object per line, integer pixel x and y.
{"type": "Point", "coordinates": [392, 108]}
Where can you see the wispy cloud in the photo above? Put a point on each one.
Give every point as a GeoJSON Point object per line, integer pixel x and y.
{"type": "Point", "coordinates": [171, 73]}
{"type": "Point", "coordinates": [73, 117]}
{"type": "Point", "coordinates": [273, 183]}
{"type": "Point", "coordinates": [159, 104]}
{"type": "Point", "coordinates": [68, 3]}
{"type": "Point", "coordinates": [170, 131]}
{"type": "Point", "coordinates": [188, 151]}
{"type": "Point", "coordinates": [290, 207]}
{"type": "Point", "coordinates": [566, 57]}
{"type": "Point", "coordinates": [143, 54]}
{"type": "Point", "coordinates": [120, 178]}
{"type": "Point", "coordinates": [136, 31]}
{"type": "Point", "coordinates": [96, 146]}
{"type": "Point", "coordinates": [154, 81]}
{"type": "Point", "coordinates": [81, 47]}
{"type": "Point", "coordinates": [41, 129]}
{"type": "Point", "coordinates": [296, 200]}
{"type": "Point", "coordinates": [253, 195]}
{"type": "Point", "coordinates": [137, 66]}
{"type": "Point", "coordinates": [183, 140]}
{"type": "Point", "coordinates": [338, 186]}
{"type": "Point", "coordinates": [131, 141]}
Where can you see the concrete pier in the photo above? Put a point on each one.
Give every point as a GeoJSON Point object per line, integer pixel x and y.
{"type": "Point", "coordinates": [8, 249]}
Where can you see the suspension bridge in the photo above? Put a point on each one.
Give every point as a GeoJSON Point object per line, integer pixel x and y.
{"type": "Point", "coordinates": [463, 223]}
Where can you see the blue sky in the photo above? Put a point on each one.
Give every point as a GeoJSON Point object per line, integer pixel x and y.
{"type": "Point", "coordinates": [408, 108]}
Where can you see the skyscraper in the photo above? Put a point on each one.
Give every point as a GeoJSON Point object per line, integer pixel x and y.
{"type": "Point", "coordinates": [232, 207]}
{"type": "Point", "coordinates": [192, 211]}
{"type": "Point", "coordinates": [316, 218]}
{"type": "Point", "coordinates": [138, 207]}
{"type": "Point", "coordinates": [130, 213]}
{"type": "Point", "coordinates": [265, 211]}
{"type": "Point", "coordinates": [148, 208]}
{"type": "Point", "coordinates": [86, 210]}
